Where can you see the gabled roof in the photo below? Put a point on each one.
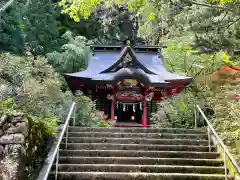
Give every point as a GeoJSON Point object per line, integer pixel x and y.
{"type": "Point", "coordinates": [127, 58]}
{"type": "Point", "coordinates": [110, 64]}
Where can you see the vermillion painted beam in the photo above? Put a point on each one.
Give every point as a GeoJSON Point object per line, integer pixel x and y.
{"type": "Point", "coordinates": [113, 110]}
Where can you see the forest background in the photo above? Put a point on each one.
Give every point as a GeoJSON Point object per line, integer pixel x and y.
{"type": "Point", "coordinates": [41, 39]}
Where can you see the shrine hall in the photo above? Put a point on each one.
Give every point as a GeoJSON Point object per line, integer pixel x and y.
{"type": "Point", "coordinates": [127, 82]}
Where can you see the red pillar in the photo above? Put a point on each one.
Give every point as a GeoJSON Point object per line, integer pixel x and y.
{"type": "Point", "coordinates": [144, 119]}
{"type": "Point", "coordinates": [113, 110]}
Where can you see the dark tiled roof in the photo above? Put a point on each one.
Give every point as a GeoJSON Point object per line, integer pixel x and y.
{"type": "Point", "coordinates": [107, 66]}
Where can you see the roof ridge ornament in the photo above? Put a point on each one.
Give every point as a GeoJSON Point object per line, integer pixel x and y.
{"type": "Point", "coordinates": [127, 61]}
{"type": "Point", "coordinates": [128, 42]}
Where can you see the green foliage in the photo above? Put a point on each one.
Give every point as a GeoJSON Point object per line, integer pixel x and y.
{"type": "Point", "coordinates": [73, 56]}
{"type": "Point", "coordinates": [11, 34]}
{"type": "Point", "coordinates": [183, 59]}
{"type": "Point", "coordinates": [36, 89]}
{"type": "Point", "coordinates": [176, 112]}
{"type": "Point", "coordinates": [221, 2]}
{"type": "Point", "coordinates": [104, 124]}
{"type": "Point", "coordinates": [85, 8]}
{"type": "Point", "coordinates": [45, 126]}
{"type": "Point", "coordinates": [39, 128]}
{"type": "Point", "coordinates": [41, 26]}
{"type": "Point", "coordinates": [31, 26]}
{"type": "Point", "coordinates": [208, 25]}
{"type": "Point", "coordinates": [9, 107]}
{"type": "Point", "coordinates": [31, 86]}
{"type": "Point", "coordinates": [86, 113]}
{"type": "Point", "coordinates": [227, 124]}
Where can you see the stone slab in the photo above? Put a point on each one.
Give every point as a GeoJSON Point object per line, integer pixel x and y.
{"type": "Point", "coordinates": [12, 139]}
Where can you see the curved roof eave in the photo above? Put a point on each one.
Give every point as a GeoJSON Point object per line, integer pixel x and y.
{"type": "Point", "coordinates": [77, 75]}
{"type": "Point", "coordinates": [155, 64]}
{"type": "Point", "coordinates": [148, 79]}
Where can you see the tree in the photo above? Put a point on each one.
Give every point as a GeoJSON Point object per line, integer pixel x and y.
{"type": "Point", "coordinates": [73, 56]}
{"type": "Point", "coordinates": [30, 25]}
{"type": "Point", "coordinates": [11, 33]}
{"type": "Point", "coordinates": [41, 26]}
{"type": "Point", "coordinates": [84, 8]}
{"type": "Point", "coordinates": [162, 20]}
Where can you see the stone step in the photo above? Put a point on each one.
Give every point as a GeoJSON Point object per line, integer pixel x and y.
{"type": "Point", "coordinates": [140, 168]}
{"type": "Point", "coordinates": [139, 161]}
{"type": "Point", "coordinates": [136, 141]}
{"type": "Point", "coordinates": [147, 147]}
{"type": "Point", "coordinates": [63, 175]}
{"type": "Point", "coordinates": [127, 124]}
{"type": "Point", "coordinates": [137, 130]}
{"type": "Point", "coordinates": [138, 135]}
{"type": "Point", "coordinates": [129, 153]}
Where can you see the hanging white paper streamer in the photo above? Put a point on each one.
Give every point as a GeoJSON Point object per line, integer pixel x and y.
{"type": "Point", "coordinates": [140, 105]}
{"type": "Point", "coordinates": [134, 109]}
{"type": "Point", "coordinates": [124, 107]}
{"type": "Point", "coordinates": [117, 106]}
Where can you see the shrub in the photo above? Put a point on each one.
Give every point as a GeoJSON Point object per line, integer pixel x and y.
{"type": "Point", "coordinates": [86, 113]}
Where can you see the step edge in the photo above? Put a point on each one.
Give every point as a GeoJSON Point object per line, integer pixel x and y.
{"type": "Point", "coordinates": [185, 152]}
{"type": "Point", "coordinates": [137, 173]}
{"type": "Point", "coordinates": [115, 157]}
{"type": "Point", "coordinates": [118, 133]}
{"type": "Point", "coordinates": [153, 145]}
{"type": "Point", "coordinates": [138, 165]}
{"type": "Point", "coordinates": [150, 139]}
{"type": "Point", "coordinates": [198, 129]}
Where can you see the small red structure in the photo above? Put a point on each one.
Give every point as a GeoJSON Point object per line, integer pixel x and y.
{"type": "Point", "coordinates": [127, 82]}
{"type": "Point", "coordinates": [228, 74]}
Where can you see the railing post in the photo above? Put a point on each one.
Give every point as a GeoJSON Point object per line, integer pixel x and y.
{"type": "Point", "coordinates": [195, 117]}
{"type": "Point", "coordinates": [225, 164]}
{"type": "Point", "coordinates": [74, 116]}
{"type": "Point", "coordinates": [56, 170]}
{"type": "Point", "coordinates": [209, 139]}
{"type": "Point", "coordinates": [66, 138]}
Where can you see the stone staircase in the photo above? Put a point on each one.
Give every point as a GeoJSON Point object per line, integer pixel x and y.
{"type": "Point", "coordinates": [138, 154]}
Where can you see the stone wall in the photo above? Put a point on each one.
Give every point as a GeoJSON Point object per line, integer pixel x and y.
{"type": "Point", "coordinates": [13, 131]}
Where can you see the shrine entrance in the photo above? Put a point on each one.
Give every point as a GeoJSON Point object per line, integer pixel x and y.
{"type": "Point", "coordinates": [129, 101]}
{"type": "Point", "coordinates": [129, 113]}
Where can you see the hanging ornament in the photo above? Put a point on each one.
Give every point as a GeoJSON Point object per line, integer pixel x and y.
{"type": "Point", "coordinates": [141, 105]}
{"type": "Point", "coordinates": [134, 109]}
{"type": "Point", "coordinates": [124, 107]}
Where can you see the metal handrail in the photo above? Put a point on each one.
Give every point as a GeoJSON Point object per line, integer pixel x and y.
{"type": "Point", "coordinates": [226, 152]}
{"type": "Point", "coordinates": [56, 150]}
{"type": "Point", "coordinates": [6, 6]}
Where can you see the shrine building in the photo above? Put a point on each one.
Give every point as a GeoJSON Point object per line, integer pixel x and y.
{"type": "Point", "coordinates": [127, 82]}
